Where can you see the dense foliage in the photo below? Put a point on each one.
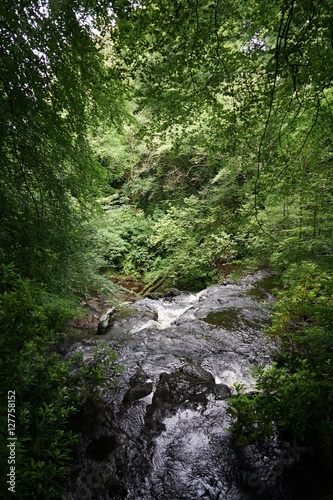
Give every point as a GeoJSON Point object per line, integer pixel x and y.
{"type": "Point", "coordinates": [233, 114]}
{"type": "Point", "coordinates": [168, 141]}
{"type": "Point", "coordinates": [53, 80]}
{"type": "Point", "coordinates": [43, 409]}
{"type": "Point", "coordinates": [47, 389]}
{"type": "Point", "coordinates": [295, 394]}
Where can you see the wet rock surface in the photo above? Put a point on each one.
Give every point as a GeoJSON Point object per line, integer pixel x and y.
{"type": "Point", "coordinates": [163, 432]}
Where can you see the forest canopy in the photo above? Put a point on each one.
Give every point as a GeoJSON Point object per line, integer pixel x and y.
{"type": "Point", "coordinates": [229, 102]}
{"type": "Point", "coordinates": [235, 102]}
{"type": "Point", "coordinates": [53, 82]}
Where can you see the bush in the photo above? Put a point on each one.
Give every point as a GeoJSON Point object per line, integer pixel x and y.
{"type": "Point", "coordinates": [90, 372]}
{"type": "Point", "coordinates": [295, 395]}
{"type": "Point", "coordinates": [39, 383]}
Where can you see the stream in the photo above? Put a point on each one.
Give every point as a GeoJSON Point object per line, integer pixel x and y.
{"type": "Point", "coordinates": [162, 433]}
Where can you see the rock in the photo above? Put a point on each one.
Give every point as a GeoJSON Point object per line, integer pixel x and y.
{"type": "Point", "coordinates": [183, 385]}
{"type": "Point", "coordinates": [154, 295]}
{"type": "Point", "coordinates": [162, 432]}
{"type": "Point", "coordinates": [88, 342]}
{"type": "Point", "coordinates": [99, 449]}
{"type": "Point", "coordinates": [140, 386]}
{"type": "Point", "coordinates": [170, 293]}
{"type": "Point", "coordinates": [222, 391]}
{"type": "Point", "coordinates": [106, 322]}
{"type": "Point", "coordinates": [198, 373]}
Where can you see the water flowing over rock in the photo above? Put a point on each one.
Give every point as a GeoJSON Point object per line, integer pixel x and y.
{"type": "Point", "coordinates": [163, 432]}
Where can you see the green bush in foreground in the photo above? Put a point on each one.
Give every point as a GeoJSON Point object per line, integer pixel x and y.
{"type": "Point", "coordinates": [295, 394]}
{"type": "Point", "coordinates": [37, 385]}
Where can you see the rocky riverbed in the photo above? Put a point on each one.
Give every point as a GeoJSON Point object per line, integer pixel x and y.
{"type": "Point", "coordinates": [163, 434]}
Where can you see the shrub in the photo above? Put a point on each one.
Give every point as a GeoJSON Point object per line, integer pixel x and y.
{"type": "Point", "coordinates": [44, 396]}
{"type": "Point", "coordinates": [295, 395]}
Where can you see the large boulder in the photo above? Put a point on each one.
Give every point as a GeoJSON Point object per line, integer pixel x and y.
{"type": "Point", "coordinates": [106, 322]}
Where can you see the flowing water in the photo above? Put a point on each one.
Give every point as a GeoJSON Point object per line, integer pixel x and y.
{"type": "Point", "coordinates": [163, 434]}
